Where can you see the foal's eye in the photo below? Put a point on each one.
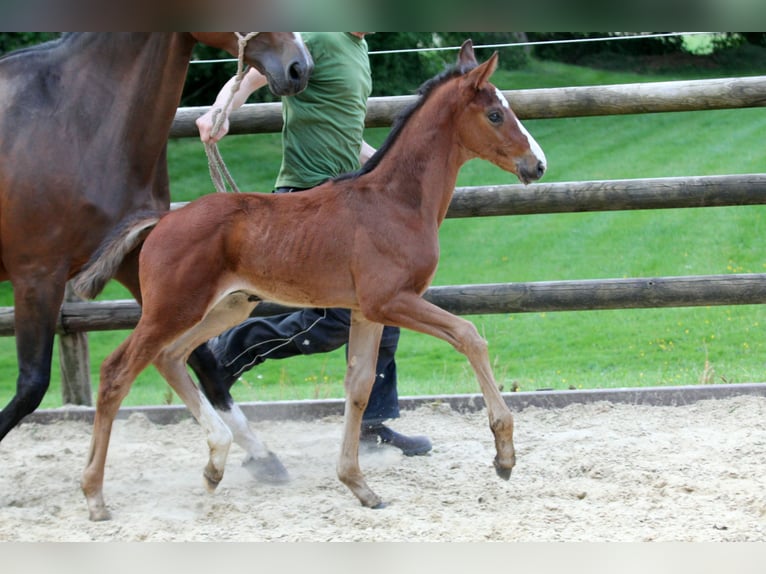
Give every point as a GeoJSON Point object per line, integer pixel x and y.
{"type": "Point", "coordinates": [495, 117]}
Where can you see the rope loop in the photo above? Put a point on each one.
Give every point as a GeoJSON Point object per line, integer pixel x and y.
{"type": "Point", "coordinates": [219, 173]}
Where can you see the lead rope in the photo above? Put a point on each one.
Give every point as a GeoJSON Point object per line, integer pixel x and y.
{"type": "Point", "coordinates": [219, 173]}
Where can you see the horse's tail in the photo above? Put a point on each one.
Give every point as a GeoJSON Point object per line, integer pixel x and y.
{"type": "Point", "coordinates": [104, 263]}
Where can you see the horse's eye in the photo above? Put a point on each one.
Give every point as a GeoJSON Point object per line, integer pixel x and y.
{"type": "Point", "coordinates": [495, 117]}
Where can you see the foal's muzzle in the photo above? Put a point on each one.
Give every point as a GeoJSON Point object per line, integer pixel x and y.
{"type": "Point", "coordinates": [531, 171]}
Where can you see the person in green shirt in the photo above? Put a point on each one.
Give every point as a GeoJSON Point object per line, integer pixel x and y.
{"type": "Point", "coordinates": [322, 137]}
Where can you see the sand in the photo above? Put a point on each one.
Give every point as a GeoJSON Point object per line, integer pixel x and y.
{"type": "Point", "coordinates": [592, 472]}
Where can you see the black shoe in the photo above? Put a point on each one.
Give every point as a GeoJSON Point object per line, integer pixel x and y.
{"type": "Point", "coordinates": [409, 445]}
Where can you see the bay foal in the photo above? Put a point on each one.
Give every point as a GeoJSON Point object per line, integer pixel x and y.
{"type": "Point", "coordinates": [367, 241]}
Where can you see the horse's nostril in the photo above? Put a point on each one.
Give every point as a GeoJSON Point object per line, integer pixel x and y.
{"type": "Point", "coordinates": [540, 168]}
{"type": "Point", "coordinates": [294, 71]}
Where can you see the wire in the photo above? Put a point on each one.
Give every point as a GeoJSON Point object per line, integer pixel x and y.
{"type": "Point", "coordinates": [541, 42]}
{"type": "Point", "coordinates": [504, 45]}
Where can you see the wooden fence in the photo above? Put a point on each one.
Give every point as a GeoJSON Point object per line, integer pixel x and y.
{"type": "Point", "coordinates": [713, 191]}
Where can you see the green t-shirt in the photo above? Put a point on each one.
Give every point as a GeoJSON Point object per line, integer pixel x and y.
{"type": "Point", "coordinates": [324, 124]}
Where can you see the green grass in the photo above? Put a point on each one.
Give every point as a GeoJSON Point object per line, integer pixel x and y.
{"type": "Point", "coordinates": [595, 349]}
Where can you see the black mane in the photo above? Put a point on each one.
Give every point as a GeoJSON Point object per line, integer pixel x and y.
{"type": "Point", "coordinates": [423, 91]}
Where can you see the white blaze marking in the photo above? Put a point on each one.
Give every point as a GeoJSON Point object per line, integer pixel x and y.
{"type": "Point", "coordinates": [502, 99]}
{"type": "Point", "coordinates": [533, 145]}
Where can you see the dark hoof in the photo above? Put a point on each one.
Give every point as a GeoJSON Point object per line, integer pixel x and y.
{"type": "Point", "coordinates": [268, 469]}
{"type": "Point", "coordinates": [380, 505]}
{"type": "Point", "coordinates": [504, 473]}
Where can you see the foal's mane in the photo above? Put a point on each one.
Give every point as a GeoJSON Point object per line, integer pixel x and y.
{"type": "Point", "coordinates": [425, 90]}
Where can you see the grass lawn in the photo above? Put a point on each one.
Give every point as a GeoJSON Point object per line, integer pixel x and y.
{"type": "Point", "coordinates": [551, 350]}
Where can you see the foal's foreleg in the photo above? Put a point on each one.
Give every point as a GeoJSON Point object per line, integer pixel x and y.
{"type": "Point", "coordinates": [413, 312]}
{"type": "Point", "coordinates": [363, 342]}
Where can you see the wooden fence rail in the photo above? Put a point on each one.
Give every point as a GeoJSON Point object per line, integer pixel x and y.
{"type": "Point", "coordinates": [607, 195]}
{"type": "Point", "coordinates": [530, 297]}
{"type": "Point", "coordinates": [544, 103]}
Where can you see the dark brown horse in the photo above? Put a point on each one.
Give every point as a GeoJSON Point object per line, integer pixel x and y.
{"type": "Point", "coordinates": [84, 122]}
{"type": "Point", "coordinates": [367, 241]}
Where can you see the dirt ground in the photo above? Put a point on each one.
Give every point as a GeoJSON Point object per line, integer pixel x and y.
{"type": "Point", "coordinates": [594, 472]}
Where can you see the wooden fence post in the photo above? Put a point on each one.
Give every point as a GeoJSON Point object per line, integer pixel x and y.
{"type": "Point", "coordinates": [75, 363]}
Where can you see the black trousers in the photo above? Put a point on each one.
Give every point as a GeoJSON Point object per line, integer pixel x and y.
{"type": "Point", "coordinates": [306, 332]}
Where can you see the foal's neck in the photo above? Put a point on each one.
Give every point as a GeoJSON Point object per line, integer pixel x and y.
{"type": "Point", "coordinates": [422, 168]}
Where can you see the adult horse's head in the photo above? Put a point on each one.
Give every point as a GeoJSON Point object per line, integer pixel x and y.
{"type": "Point", "coordinates": [493, 132]}
{"type": "Point", "coordinates": [280, 56]}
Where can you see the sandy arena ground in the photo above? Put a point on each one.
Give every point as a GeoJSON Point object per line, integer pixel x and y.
{"type": "Point", "coordinates": [594, 472]}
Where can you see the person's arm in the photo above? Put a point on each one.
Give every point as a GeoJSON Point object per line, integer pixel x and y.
{"type": "Point", "coordinates": [366, 152]}
{"type": "Point", "coordinates": [251, 81]}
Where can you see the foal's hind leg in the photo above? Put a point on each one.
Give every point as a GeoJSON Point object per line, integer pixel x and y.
{"type": "Point", "coordinates": [118, 371]}
{"type": "Point", "coordinates": [260, 461]}
{"type": "Point", "coordinates": [172, 367]}
{"type": "Point", "coordinates": [263, 464]}
{"type": "Point", "coordinates": [171, 363]}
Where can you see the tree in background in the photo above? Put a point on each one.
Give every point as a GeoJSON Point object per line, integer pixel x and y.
{"type": "Point", "coordinates": [10, 41]}
{"type": "Point", "coordinates": [403, 73]}
{"type": "Point", "coordinates": [734, 39]}
{"type": "Point", "coordinates": [584, 53]}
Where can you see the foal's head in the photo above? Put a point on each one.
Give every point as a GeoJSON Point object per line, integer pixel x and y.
{"type": "Point", "coordinates": [488, 128]}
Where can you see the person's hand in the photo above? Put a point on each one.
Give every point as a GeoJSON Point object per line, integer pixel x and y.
{"type": "Point", "coordinates": [366, 152]}
{"type": "Point", "coordinates": [205, 125]}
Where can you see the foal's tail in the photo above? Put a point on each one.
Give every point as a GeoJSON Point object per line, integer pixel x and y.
{"type": "Point", "coordinates": [106, 260]}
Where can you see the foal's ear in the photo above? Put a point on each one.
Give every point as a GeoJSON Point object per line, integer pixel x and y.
{"type": "Point", "coordinates": [480, 76]}
{"type": "Point", "coordinates": [466, 59]}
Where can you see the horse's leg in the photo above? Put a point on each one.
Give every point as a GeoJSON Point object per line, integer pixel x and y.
{"type": "Point", "coordinates": [115, 380]}
{"type": "Point", "coordinates": [413, 312]}
{"type": "Point", "coordinates": [263, 464]}
{"type": "Point", "coordinates": [170, 364]}
{"type": "Point", "coordinates": [36, 306]}
{"type": "Point", "coordinates": [260, 461]}
{"type": "Point", "coordinates": [232, 310]}
{"type": "Point", "coordinates": [363, 343]}
{"type": "Point", "coordinates": [118, 371]}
